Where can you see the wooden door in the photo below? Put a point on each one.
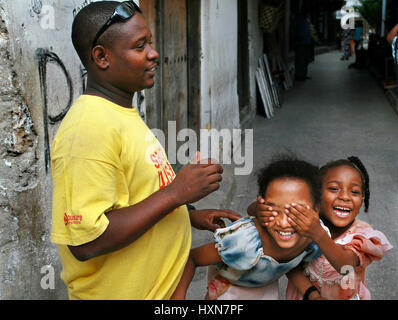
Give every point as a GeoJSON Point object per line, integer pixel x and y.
{"type": "Point", "coordinates": [168, 100]}
{"type": "Point", "coordinates": [174, 64]}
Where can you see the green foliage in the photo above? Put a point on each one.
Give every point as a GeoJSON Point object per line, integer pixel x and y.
{"type": "Point", "coordinates": [371, 11]}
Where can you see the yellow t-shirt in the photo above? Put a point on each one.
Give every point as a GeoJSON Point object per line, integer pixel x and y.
{"type": "Point", "coordinates": [104, 157]}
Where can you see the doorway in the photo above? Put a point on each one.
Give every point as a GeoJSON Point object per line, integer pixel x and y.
{"type": "Point", "coordinates": [175, 27]}
{"type": "Point", "coordinates": [243, 59]}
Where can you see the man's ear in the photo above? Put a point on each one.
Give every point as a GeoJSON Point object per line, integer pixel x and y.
{"type": "Point", "coordinates": [317, 209]}
{"type": "Point", "coordinates": [100, 57]}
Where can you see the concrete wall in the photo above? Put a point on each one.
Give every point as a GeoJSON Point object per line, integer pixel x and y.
{"type": "Point", "coordinates": [34, 35]}
{"type": "Point", "coordinates": [255, 51]}
{"type": "Point", "coordinates": [219, 64]}
{"type": "Point", "coordinates": [40, 76]}
{"type": "Point", "coordinates": [219, 101]}
{"type": "Point", "coordinates": [219, 98]}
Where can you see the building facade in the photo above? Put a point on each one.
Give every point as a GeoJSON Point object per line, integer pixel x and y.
{"type": "Point", "coordinates": [41, 76]}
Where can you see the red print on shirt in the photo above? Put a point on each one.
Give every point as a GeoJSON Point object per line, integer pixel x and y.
{"type": "Point", "coordinates": [69, 219]}
{"type": "Point", "coordinates": [165, 171]}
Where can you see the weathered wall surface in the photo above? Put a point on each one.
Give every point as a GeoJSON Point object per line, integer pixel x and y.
{"type": "Point", "coordinates": [219, 43]}
{"type": "Point", "coordinates": [219, 101]}
{"type": "Point", "coordinates": [255, 50]}
{"type": "Point", "coordinates": [40, 76]}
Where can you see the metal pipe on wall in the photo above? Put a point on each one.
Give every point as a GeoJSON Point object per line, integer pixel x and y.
{"type": "Point", "coordinates": [287, 30]}
{"type": "Point", "coordinates": [383, 17]}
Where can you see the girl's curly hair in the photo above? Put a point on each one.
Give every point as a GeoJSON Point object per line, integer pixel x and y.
{"type": "Point", "coordinates": [288, 166]}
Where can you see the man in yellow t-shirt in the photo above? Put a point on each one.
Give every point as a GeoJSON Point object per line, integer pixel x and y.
{"type": "Point", "coordinates": [119, 211]}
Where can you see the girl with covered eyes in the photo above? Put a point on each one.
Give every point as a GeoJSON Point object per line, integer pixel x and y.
{"type": "Point", "coordinates": [350, 245]}
{"type": "Point", "coordinates": [247, 258]}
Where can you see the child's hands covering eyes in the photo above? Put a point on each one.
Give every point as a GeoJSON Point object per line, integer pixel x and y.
{"type": "Point", "coordinates": [304, 220]}
{"type": "Point", "coordinates": [264, 213]}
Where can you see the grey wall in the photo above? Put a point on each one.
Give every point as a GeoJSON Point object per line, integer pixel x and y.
{"type": "Point", "coordinates": [34, 36]}
{"type": "Point", "coordinates": [40, 76]}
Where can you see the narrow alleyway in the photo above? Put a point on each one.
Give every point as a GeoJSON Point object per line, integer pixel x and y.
{"type": "Point", "coordinates": [338, 113]}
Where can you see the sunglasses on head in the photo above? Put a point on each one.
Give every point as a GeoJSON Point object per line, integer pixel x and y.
{"type": "Point", "coordinates": [123, 11]}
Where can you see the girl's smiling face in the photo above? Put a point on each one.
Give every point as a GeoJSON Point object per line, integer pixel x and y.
{"type": "Point", "coordinates": [280, 192]}
{"type": "Point", "coordinates": [341, 195]}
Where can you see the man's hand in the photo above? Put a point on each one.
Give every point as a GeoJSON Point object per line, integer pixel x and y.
{"type": "Point", "coordinates": [211, 219]}
{"type": "Point", "coordinates": [196, 180]}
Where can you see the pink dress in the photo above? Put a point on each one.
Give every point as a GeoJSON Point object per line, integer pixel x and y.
{"type": "Point", "coordinates": [368, 244]}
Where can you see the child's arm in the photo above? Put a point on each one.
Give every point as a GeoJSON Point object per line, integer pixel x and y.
{"type": "Point", "coordinates": [261, 211]}
{"type": "Point", "coordinates": [391, 35]}
{"type": "Point", "coordinates": [202, 256]}
{"type": "Point", "coordinates": [306, 222]}
{"type": "Point", "coordinates": [251, 209]}
{"type": "Point", "coordinates": [302, 283]}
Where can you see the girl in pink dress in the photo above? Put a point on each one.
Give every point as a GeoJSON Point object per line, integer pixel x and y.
{"type": "Point", "coordinates": [350, 246]}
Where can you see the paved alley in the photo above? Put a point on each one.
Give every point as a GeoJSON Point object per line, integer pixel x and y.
{"type": "Point", "coordinates": [338, 113]}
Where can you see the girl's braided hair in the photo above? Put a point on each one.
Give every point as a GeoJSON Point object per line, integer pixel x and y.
{"type": "Point", "coordinates": [357, 164]}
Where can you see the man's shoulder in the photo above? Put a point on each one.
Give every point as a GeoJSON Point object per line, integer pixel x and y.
{"type": "Point", "coordinates": [90, 113]}
{"type": "Point", "coordinates": [87, 125]}
{"type": "Point", "coordinates": [95, 107]}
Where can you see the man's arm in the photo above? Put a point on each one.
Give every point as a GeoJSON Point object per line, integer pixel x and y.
{"type": "Point", "coordinates": [211, 219]}
{"type": "Point", "coordinates": [192, 183]}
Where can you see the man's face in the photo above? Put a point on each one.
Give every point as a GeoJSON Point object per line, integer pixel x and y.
{"type": "Point", "coordinates": [132, 59]}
